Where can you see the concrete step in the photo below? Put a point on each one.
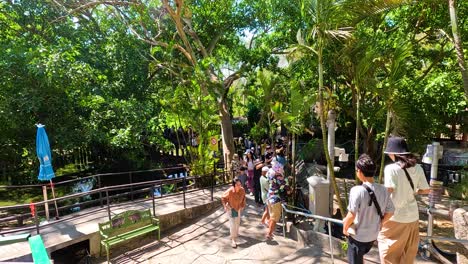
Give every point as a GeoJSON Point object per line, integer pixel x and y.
{"type": "Point", "coordinates": [310, 255]}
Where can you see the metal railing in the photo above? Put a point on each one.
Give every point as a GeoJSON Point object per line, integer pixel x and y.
{"type": "Point", "coordinates": [302, 212]}
{"type": "Point", "coordinates": [319, 217]}
{"type": "Point", "coordinates": [105, 196]}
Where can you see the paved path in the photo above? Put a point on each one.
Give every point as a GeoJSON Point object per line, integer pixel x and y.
{"type": "Point", "coordinates": [81, 226]}
{"type": "Point", "coordinates": [207, 241]}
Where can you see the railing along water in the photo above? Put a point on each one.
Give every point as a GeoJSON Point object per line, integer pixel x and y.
{"type": "Point", "coordinates": [135, 188]}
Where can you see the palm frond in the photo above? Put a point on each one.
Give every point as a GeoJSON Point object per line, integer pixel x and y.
{"type": "Point", "coordinates": [298, 52]}
{"type": "Point", "coordinates": [361, 9]}
{"type": "Point", "coordinates": [401, 114]}
{"type": "Point", "coordinates": [341, 33]}
{"type": "Point", "coordinates": [398, 66]}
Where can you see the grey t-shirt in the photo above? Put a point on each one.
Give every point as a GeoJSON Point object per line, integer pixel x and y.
{"type": "Point", "coordinates": [367, 219]}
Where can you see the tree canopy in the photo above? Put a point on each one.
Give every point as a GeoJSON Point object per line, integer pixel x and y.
{"type": "Point", "coordinates": [114, 74]}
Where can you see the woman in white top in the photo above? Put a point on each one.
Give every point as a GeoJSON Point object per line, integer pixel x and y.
{"type": "Point", "coordinates": [399, 237]}
{"type": "Point", "coordinates": [249, 163]}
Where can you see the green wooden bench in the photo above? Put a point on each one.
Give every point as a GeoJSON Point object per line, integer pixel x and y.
{"type": "Point", "coordinates": [38, 250]}
{"type": "Point", "coordinates": [126, 226]}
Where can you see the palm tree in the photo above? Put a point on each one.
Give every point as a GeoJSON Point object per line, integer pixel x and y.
{"type": "Point", "coordinates": [359, 68]}
{"type": "Point", "coordinates": [322, 26]}
{"type": "Point", "coordinates": [325, 21]}
{"type": "Point", "coordinates": [457, 42]}
{"type": "Point", "coordinates": [396, 110]}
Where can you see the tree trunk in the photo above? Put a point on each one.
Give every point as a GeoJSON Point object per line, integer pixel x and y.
{"type": "Point", "coordinates": [324, 131]}
{"type": "Point", "coordinates": [227, 134]}
{"type": "Point", "coordinates": [458, 45]}
{"type": "Point", "coordinates": [358, 124]}
{"type": "Point", "coordinates": [387, 130]}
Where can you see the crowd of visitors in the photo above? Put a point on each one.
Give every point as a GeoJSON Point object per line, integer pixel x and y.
{"type": "Point", "coordinates": [385, 213]}
{"type": "Point", "coordinates": [260, 173]}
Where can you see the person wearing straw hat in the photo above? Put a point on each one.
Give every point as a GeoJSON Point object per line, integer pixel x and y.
{"type": "Point", "coordinates": [399, 237]}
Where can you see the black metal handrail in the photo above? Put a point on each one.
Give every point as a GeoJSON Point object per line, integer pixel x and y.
{"type": "Point", "coordinates": [140, 186]}
{"type": "Point", "coordinates": [319, 217]}
{"type": "Point", "coordinates": [94, 176]}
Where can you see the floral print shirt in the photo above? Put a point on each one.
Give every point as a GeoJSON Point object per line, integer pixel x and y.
{"type": "Point", "coordinates": [278, 189]}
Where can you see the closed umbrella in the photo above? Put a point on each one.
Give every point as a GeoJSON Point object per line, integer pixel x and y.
{"type": "Point", "coordinates": [46, 172]}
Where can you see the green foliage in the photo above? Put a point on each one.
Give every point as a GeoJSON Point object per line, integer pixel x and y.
{"type": "Point", "coordinates": [240, 128]}
{"type": "Point", "coordinates": [166, 189]}
{"type": "Point", "coordinates": [204, 158]}
{"type": "Point", "coordinates": [344, 247]}
{"type": "Point", "coordinates": [459, 190]}
{"type": "Point", "coordinates": [110, 78]}
{"type": "Point", "coordinates": [311, 151]}
{"type": "Point", "coordinates": [67, 169]}
{"type": "Point", "coordinates": [253, 114]}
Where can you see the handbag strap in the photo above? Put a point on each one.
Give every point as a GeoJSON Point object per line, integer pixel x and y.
{"type": "Point", "coordinates": [409, 179]}
{"type": "Point", "coordinates": [374, 200]}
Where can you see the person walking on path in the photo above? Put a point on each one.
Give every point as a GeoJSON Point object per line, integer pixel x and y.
{"type": "Point", "coordinates": [369, 206]}
{"type": "Point", "coordinates": [399, 237]}
{"type": "Point", "coordinates": [236, 164]}
{"type": "Point", "coordinates": [276, 195]}
{"type": "Point", "coordinates": [243, 177]}
{"type": "Point", "coordinates": [264, 186]}
{"type": "Point", "coordinates": [234, 202]}
{"type": "Point", "coordinates": [249, 163]}
{"type": "Point", "coordinates": [256, 182]}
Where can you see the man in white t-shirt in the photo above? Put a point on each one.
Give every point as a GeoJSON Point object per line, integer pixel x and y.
{"type": "Point", "coordinates": [399, 237]}
{"type": "Point", "coordinates": [369, 206]}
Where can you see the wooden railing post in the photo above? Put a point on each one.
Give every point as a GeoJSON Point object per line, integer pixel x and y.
{"type": "Point", "coordinates": [183, 190]}
{"type": "Point", "coordinates": [108, 205]}
{"type": "Point", "coordinates": [213, 179]}
{"type": "Point", "coordinates": [152, 197]}
{"type": "Point", "coordinates": [131, 186]}
{"type": "Point", "coordinates": [99, 187]}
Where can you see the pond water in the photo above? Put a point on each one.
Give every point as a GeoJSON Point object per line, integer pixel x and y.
{"type": "Point", "coordinates": [81, 186]}
{"type": "Point", "coordinates": [158, 192]}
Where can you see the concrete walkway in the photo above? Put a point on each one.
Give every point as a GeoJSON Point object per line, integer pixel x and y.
{"type": "Point", "coordinates": [81, 226]}
{"type": "Point", "coordinates": [207, 241]}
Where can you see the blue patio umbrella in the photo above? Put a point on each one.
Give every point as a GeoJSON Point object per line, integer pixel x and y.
{"type": "Point", "coordinates": [46, 172]}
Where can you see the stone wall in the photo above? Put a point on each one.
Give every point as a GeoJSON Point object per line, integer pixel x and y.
{"type": "Point", "coordinates": [460, 225]}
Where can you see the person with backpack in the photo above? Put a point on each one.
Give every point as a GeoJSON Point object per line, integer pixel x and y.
{"type": "Point", "coordinates": [369, 207]}
{"type": "Point", "coordinates": [399, 237]}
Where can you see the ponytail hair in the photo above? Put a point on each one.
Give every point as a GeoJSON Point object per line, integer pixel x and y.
{"type": "Point", "coordinates": [405, 160]}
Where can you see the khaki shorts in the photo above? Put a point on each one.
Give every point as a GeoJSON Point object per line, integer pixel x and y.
{"type": "Point", "coordinates": [275, 211]}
